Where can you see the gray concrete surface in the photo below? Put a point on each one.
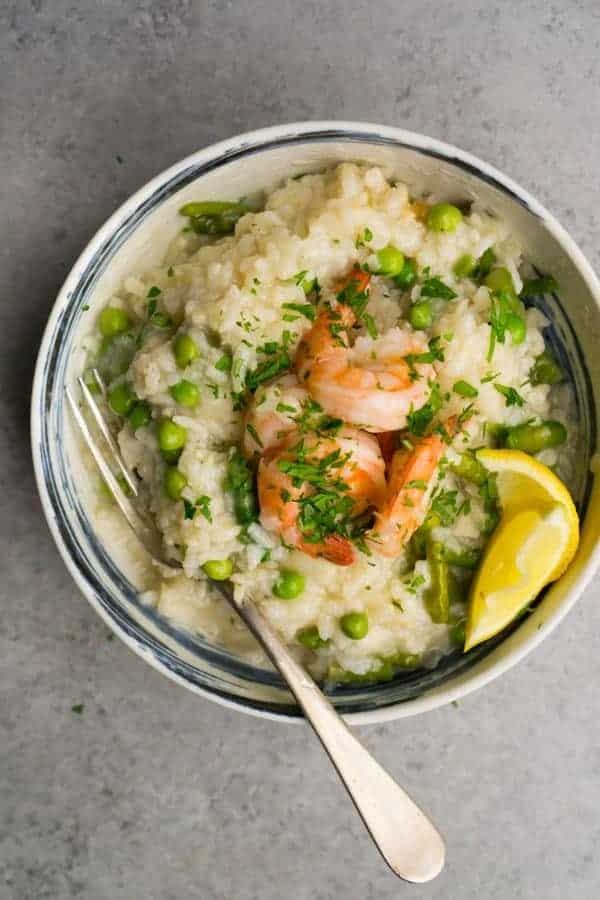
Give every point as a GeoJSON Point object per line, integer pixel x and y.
{"type": "Point", "coordinates": [151, 793]}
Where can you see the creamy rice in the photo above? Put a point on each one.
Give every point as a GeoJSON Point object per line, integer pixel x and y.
{"type": "Point", "coordinates": [229, 295]}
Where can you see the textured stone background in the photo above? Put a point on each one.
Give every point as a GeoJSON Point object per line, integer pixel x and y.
{"type": "Point", "coordinates": [152, 793]}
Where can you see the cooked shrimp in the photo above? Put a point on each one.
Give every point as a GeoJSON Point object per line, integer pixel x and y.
{"type": "Point", "coordinates": [271, 417]}
{"type": "Point", "coordinates": [343, 475]}
{"type": "Point", "coordinates": [409, 487]}
{"type": "Point", "coordinates": [371, 384]}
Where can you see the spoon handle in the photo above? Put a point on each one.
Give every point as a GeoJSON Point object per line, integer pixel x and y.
{"type": "Point", "coordinates": [404, 836]}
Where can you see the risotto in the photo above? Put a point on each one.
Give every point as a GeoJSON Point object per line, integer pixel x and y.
{"type": "Point", "coordinates": [300, 390]}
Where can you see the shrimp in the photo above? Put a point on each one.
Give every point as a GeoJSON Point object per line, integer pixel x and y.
{"type": "Point", "coordinates": [409, 486]}
{"type": "Point", "coordinates": [371, 384]}
{"type": "Point", "coordinates": [271, 417]}
{"type": "Point", "coordinates": [309, 490]}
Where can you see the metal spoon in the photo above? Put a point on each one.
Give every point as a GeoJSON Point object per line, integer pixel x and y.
{"type": "Point", "coordinates": [407, 840]}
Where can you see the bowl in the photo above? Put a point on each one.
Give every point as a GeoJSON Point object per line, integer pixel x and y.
{"type": "Point", "coordinates": [136, 237]}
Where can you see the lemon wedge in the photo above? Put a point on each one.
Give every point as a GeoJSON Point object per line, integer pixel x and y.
{"type": "Point", "coordinates": [533, 544]}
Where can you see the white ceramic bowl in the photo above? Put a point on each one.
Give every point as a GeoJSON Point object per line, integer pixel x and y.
{"type": "Point", "coordinates": [137, 235]}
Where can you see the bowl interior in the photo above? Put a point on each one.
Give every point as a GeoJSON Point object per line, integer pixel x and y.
{"type": "Point", "coordinates": [136, 238]}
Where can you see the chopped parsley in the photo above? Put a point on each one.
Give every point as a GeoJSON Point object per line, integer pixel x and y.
{"type": "Point", "coordinates": [254, 434]}
{"type": "Point", "coordinates": [464, 389]}
{"type": "Point", "coordinates": [434, 354]}
{"type": "Point", "coordinates": [501, 311]}
{"type": "Point", "coordinates": [170, 271]}
{"type": "Point", "coordinates": [313, 418]}
{"type": "Point", "coordinates": [484, 264]}
{"type": "Point", "coordinates": [365, 238]}
{"type": "Point", "coordinates": [465, 415]}
{"type": "Point", "coordinates": [303, 309]}
{"type": "Point", "coordinates": [444, 505]}
{"type": "Point", "coordinates": [279, 362]}
{"type": "Point", "coordinates": [417, 483]}
{"type": "Point", "coordinates": [78, 708]}
{"type": "Point", "coordinates": [489, 376]}
{"type": "Point", "coordinates": [511, 396]}
{"type": "Point", "coordinates": [357, 300]}
{"type": "Point", "coordinates": [325, 504]}
{"type": "Point", "coordinates": [316, 472]}
{"type": "Point", "coordinates": [412, 584]}
{"type": "Point", "coordinates": [323, 513]}
{"type": "Point", "coordinates": [202, 505]}
{"type": "Point", "coordinates": [434, 288]}
{"type": "Point", "coordinates": [154, 291]}
{"type": "Point", "coordinates": [419, 420]}
{"type": "Point", "coordinates": [224, 363]}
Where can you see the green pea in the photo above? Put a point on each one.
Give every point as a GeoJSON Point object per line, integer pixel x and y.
{"type": "Point", "coordinates": [174, 482]}
{"type": "Point", "coordinates": [407, 276]}
{"type": "Point", "coordinates": [185, 393]}
{"type": "Point", "coordinates": [535, 438]}
{"type": "Point", "coordinates": [170, 435]}
{"type": "Point", "coordinates": [140, 414]}
{"type": "Point", "coordinates": [444, 217]}
{"type": "Point", "coordinates": [185, 350]}
{"type": "Point", "coordinates": [121, 398]}
{"type": "Point", "coordinates": [289, 585]}
{"type": "Point", "coordinates": [464, 266]}
{"type": "Point", "coordinates": [516, 327]}
{"type": "Point", "coordinates": [112, 321]}
{"type": "Point", "coordinates": [310, 637]}
{"type": "Point", "coordinates": [420, 315]}
{"type": "Point", "coordinates": [355, 625]}
{"type": "Point", "coordinates": [499, 279]}
{"type": "Point", "coordinates": [391, 261]}
{"type": "Point", "coordinates": [545, 370]}
{"type": "Point", "coordinates": [464, 389]}
{"type": "Point", "coordinates": [218, 569]}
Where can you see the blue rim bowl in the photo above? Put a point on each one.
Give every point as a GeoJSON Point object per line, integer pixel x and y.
{"type": "Point", "coordinates": [241, 165]}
